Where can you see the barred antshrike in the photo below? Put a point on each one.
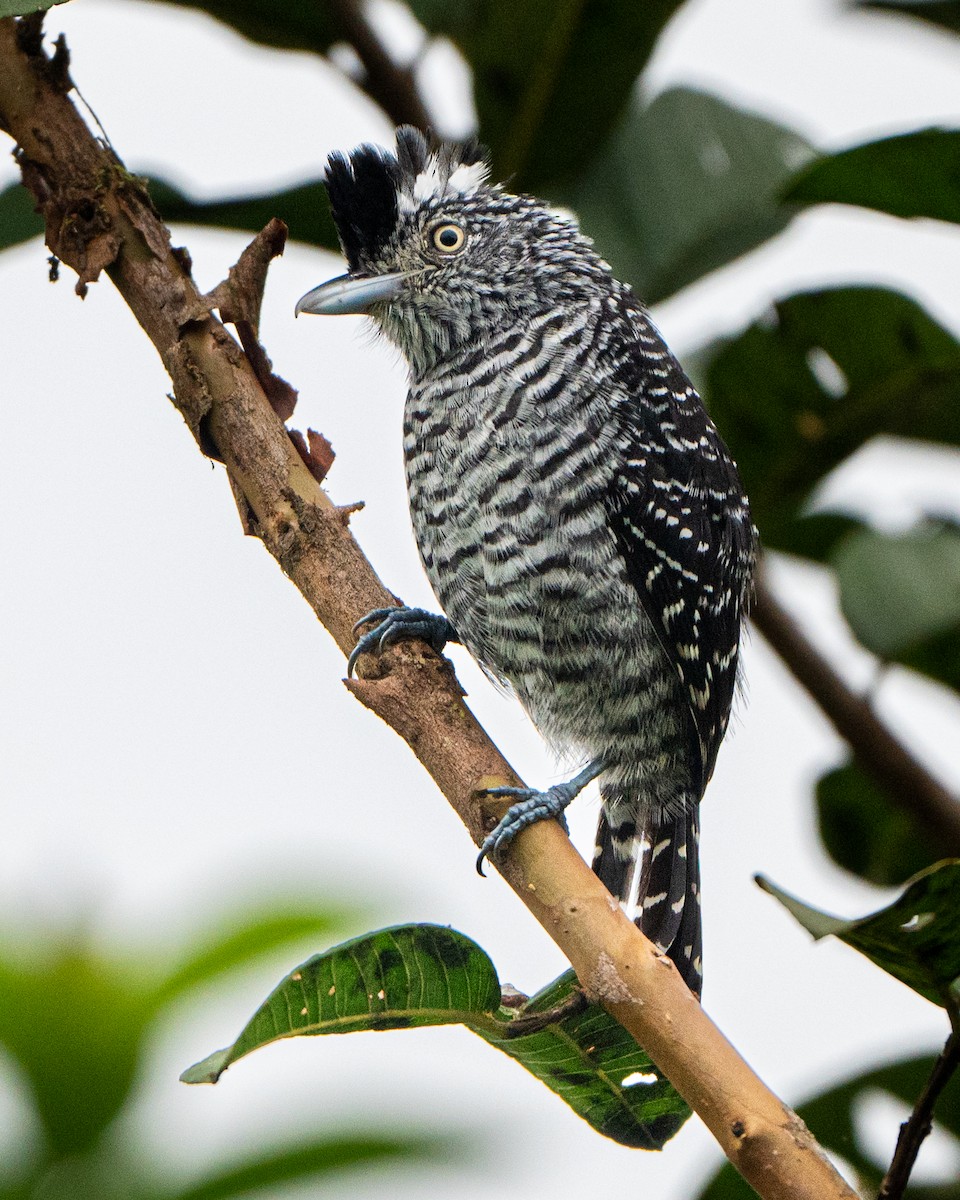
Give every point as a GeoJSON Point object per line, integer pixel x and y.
{"type": "Point", "coordinates": [578, 515]}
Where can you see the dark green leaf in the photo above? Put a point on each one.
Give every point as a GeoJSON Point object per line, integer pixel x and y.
{"type": "Point", "coordinates": [430, 975]}
{"type": "Point", "coordinates": [394, 979]}
{"type": "Point", "coordinates": [586, 1059]}
{"type": "Point", "coordinates": [868, 834]}
{"type": "Point", "coordinates": [18, 222]}
{"type": "Point", "coordinates": [945, 13]}
{"type": "Point", "coordinates": [938, 657]}
{"type": "Point", "coordinates": [899, 590]}
{"type": "Point", "coordinates": [684, 186]}
{"type": "Point", "coordinates": [304, 209]}
{"type": "Point", "coordinates": [800, 391]}
{"type": "Point", "coordinates": [835, 1120]}
{"type": "Point", "coordinates": [916, 939]}
{"type": "Point", "coordinates": [814, 535]}
{"type": "Point", "coordinates": [312, 1161]}
{"type": "Point", "coordinates": [912, 175]}
{"type": "Point", "coordinates": [551, 77]}
{"type": "Point", "coordinates": [20, 8]}
{"type": "Point", "coordinates": [293, 25]}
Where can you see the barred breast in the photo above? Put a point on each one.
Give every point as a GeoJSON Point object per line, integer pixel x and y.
{"type": "Point", "coordinates": [509, 451]}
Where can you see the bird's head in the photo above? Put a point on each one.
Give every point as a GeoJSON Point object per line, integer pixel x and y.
{"type": "Point", "coordinates": [438, 256]}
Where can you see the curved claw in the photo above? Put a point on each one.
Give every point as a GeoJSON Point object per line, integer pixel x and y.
{"type": "Point", "coordinates": [533, 806]}
{"type": "Point", "coordinates": [376, 614]}
{"type": "Point", "coordinates": [394, 624]}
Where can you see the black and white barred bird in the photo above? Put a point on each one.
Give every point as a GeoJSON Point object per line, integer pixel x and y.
{"type": "Point", "coordinates": [577, 513]}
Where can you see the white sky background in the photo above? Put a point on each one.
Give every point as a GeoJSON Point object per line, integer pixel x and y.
{"type": "Point", "coordinates": [174, 735]}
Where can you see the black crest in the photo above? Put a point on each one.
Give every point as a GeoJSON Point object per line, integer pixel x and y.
{"type": "Point", "coordinates": [364, 187]}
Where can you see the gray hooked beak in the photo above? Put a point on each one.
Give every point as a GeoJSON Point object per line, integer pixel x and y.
{"type": "Point", "coordinates": [350, 294]}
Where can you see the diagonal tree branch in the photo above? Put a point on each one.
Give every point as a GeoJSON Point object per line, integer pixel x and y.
{"type": "Point", "coordinates": [99, 218]}
{"type": "Point", "coordinates": [875, 747]}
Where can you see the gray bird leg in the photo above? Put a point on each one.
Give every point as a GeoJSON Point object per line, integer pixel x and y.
{"type": "Point", "coordinates": [533, 806]}
{"type": "Point", "coordinates": [396, 624]}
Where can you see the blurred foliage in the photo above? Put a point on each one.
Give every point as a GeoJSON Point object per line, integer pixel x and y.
{"type": "Point", "coordinates": [838, 1119]}
{"type": "Point", "coordinates": [683, 185]}
{"type": "Point", "coordinates": [18, 8]}
{"type": "Point", "coordinates": [944, 13]}
{"type": "Point", "coordinates": [912, 175]}
{"type": "Point", "coordinates": [18, 221]}
{"type": "Point", "coordinates": [294, 25]}
{"type": "Point", "coordinates": [304, 208]}
{"type": "Point", "coordinates": [76, 1021]}
{"type": "Point", "coordinates": [814, 380]}
{"type": "Point", "coordinates": [535, 75]}
{"type": "Point", "coordinates": [866, 832]}
{"type": "Point", "coordinates": [423, 975]}
{"type": "Point", "coordinates": [671, 188]}
{"type": "Point", "coordinates": [901, 592]}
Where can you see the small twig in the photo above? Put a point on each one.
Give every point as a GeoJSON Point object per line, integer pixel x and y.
{"type": "Point", "coordinates": [880, 754]}
{"type": "Point", "coordinates": [392, 86]}
{"type": "Point", "coordinates": [920, 1122]}
{"type": "Point", "coordinates": [527, 1023]}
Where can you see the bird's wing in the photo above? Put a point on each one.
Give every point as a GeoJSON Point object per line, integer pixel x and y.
{"type": "Point", "coordinates": [683, 525]}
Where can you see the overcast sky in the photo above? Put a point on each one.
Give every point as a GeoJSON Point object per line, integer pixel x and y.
{"type": "Point", "coordinates": [173, 731]}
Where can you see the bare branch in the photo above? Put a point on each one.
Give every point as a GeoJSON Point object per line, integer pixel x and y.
{"type": "Point", "coordinates": [393, 87]}
{"type": "Point", "coordinates": [875, 747]}
{"type": "Point", "coordinates": [917, 1127]}
{"type": "Point", "coordinates": [98, 216]}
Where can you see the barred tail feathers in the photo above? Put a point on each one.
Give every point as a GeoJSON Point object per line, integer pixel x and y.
{"type": "Point", "coordinates": [655, 874]}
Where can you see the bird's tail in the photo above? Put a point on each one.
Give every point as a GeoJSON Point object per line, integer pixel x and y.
{"type": "Point", "coordinates": [655, 873]}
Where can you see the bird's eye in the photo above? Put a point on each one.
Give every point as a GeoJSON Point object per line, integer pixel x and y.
{"type": "Point", "coordinates": [448, 238]}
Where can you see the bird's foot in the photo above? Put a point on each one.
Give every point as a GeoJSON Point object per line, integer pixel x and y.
{"type": "Point", "coordinates": [533, 806]}
{"type": "Point", "coordinates": [396, 624]}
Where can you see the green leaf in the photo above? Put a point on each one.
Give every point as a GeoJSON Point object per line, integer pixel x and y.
{"type": "Point", "coordinates": [293, 25]}
{"type": "Point", "coordinates": [916, 939]}
{"type": "Point", "coordinates": [910, 175]}
{"type": "Point", "coordinates": [899, 590]}
{"type": "Point", "coordinates": [551, 77]}
{"type": "Point", "coordinates": [20, 8]}
{"type": "Point", "coordinates": [394, 979]}
{"type": "Point", "coordinates": [866, 832]}
{"type": "Point", "coordinates": [683, 186]}
{"type": "Point", "coordinates": [74, 1021]}
{"type": "Point", "coordinates": [816, 534]}
{"type": "Point", "coordinates": [424, 975]}
{"type": "Point", "coordinates": [303, 208]}
{"type": "Point", "coordinates": [18, 222]}
{"type": "Point", "coordinates": [801, 390]}
{"type": "Point", "coordinates": [311, 1160]}
{"type": "Point", "coordinates": [945, 13]}
{"type": "Point", "coordinates": [835, 1120]}
{"type": "Point", "coordinates": [597, 1068]}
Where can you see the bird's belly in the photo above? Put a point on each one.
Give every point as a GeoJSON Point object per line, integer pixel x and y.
{"type": "Point", "coordinates": [531, 577]}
